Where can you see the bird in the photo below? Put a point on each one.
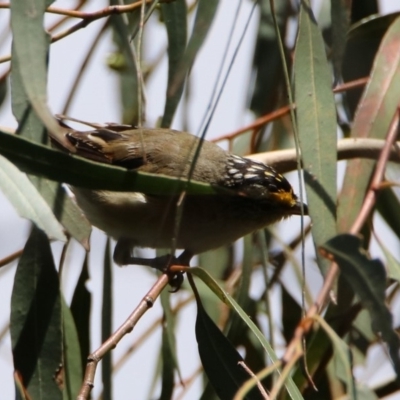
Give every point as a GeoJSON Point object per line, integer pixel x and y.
{"type": "Point", "coordinates": [249, 195]}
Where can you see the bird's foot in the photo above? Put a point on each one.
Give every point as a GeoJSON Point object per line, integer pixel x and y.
{"type": "Point", "coordinates": [122, 256]}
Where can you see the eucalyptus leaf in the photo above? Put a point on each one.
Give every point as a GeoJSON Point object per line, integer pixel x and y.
{"type": "Point", "coordinates": [28, 202]}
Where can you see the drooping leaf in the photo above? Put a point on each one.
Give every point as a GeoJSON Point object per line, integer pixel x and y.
{"type": "Point", "coordinates": [291, 388]}
{"type": "Point", "coordinates": [267, 64]}
{"type": "Point", "coordinates": [368, 279]}
{"type": "Point", "coordinates": [174, 15]}
{"type": "Point", "coordinates": [374, 115]}
{"type": "Point", "coordinates": [106, 322]}
{"type": "Point", "coordinates": [168, 362]}
{"type": "Point", "coordinates": [35, 324]}
{"type": "Point", "coordinates": [128, 77]}
{"type": "Point", "coordinates": [72, 358]}
{"type": "Point", "coordinates": [238, 328]}
{"type": "Point", "coordinates": [316, 117]}
{"type": "Point", "coordinates": [31, 127]}
{"type": "Point", "coordinates": [220, 359]}
{"type": "Point", "coordinates": [29, 204]}
{"type": "Point", "coordinates": [30, 47]}
{"type": "Point", "coordinates": [388, 206]}
{"type": "Point", "coordinates": [340, 18]}
{"type": "Point", "coordinates": [206, 10]}
{"type": "Point", "coordinates": [362, 44]}
{"type": "Point", "coordinates": [80, 310]}
{"type": "Point", "coordinates": [342, 358]}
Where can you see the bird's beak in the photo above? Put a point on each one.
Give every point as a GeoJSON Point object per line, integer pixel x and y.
{"type": "Point", "coordinates": [296, 210]}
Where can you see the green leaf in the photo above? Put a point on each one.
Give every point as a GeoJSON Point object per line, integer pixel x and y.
{"type": "Point", "coordinates": [72, 355]}
{"type": "Point", "coordinates": [55, 165]}
{"type": "Point", "coordinates": [388, 206]}
{"type": "Point", "coordinates": [227, 299]}
{"type": "Point", "coordinates": [267, 68]}
{"type": "Point", "coordinates": [340, 17]}
{"type": "Point", "coordinates": [342, 357]}
{"type": "Point", "coordinates": [64, 209]}
{"type": "Point", "coordinates": [106, 322]}
{"type": "Point", "coordinates": [128, 78]}
{"type": "Point", "coordinates": [32, 128]}
{"type": "Point", "coordinates": [80, 308]}
{"type": "Point", "coordinates": [217, 260]}
{"type": "Point", "coordinates": [236, 329]}
{"type": "Point", "coordinates": [316, 118]}
{"type": "Point", "coordinates": [27, 201]}
{"type": "Point", "coordinates": [35, 325]}
{"type": "Point", "coordinates": [168, 354]}
{"type": "Point", "coordinates": [174, 15]}
{"type": "Point", "coordinates": [362, 44]}
{"type": "Point", "coordinates": [374, 115]}
{"type": "Point", "coordinates": [169, 348]}
{"type": "Point", "coordinates": [291, 314]}
{"type": "Point", "coordinates": [393, 265]}
{"type": "Point", "coordinates": [206, 10]}
{"type": "Point", "coordinates": [220, 359]}
{"type": "Point", "coordinates": [30, 47]}
{"type": "Point", "coordinates": [368, 279]}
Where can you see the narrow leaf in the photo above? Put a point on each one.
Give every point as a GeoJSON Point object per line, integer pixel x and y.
{"type": "Point", "coordinates": [374, 114]}
{"type": "Point", "coordinates": [368, 279]}
{"type": "Point", "coordinates": [128, 74]}
{"type": "Point", "coordinates": [206, 10]}
{"type": "Point", "coordinates": [31, 127]}
{"type": "Point", "coordinates": [220, 359]}
{"type": "Point", "coordinates": [80, 309]}
{"type": "Point", "coordinates": [340, 20]}
{"type": "Point", "coordinates": [27, 201]}
{"type": "Point", "coordinates": [71, 355]}
{"type": "Point", "coordinates": [106, 322]}
{"type": "Point", "coordinates": [293, 391]}
{"type": "Point", "coordinates": [30, 42]}
{"type": "Point", "coordinates": [168, 363]}
{"type": "Point", "coordinates": [342, 356]}
{"type": "Point", "coordinates": [41, 160]}
{"type": "Point", "coordinates": [35, 325]}
{"type": "Point", "coordinates": [316, 116]}
{"type": "Point", "coordinates": [174, 15]}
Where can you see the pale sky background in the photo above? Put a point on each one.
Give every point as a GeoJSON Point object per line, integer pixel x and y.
{"type": "Point", "coordinates": [97, 101]}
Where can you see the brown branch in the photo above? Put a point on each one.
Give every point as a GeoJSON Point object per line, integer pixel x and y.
{"type": "Point", "coordinates": [256, 380]}
{"type": "Point", "coordinates": [91, 15]}
{"type": "Point", "coordinates": [292, 353]}
{"type": "Point", "coordinates": [87, 18]}
{"type": "Point", "coordinates": [285, 160]}
{"type": "Point", "coordinates": [12, 257]}
{"type": "Point", "coordinates": [145, 304]}
{"type": "Point", "coordinates": [260, 122]}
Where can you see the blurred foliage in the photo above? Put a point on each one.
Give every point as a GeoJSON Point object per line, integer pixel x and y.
{"type": "Point", "coordinates": [253, 304]}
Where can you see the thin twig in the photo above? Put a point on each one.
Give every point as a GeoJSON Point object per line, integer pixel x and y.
{"type": "Point", "coordinates": [145, 304]}
{"type": "Point", "coordinates": [83, 66]}
{"type": "Point", "coordinates": [292, 353]}
{"type": "Point", "coordinates": [87, 18]}
{"type": "Point", "coordinates": [12, 257]}
{"type": "Point", "coordinates": [104, 12]}
{"type": "Point", "coordinates": [249, 384]}
{"type": "Point", "coordinates": [257, 381]}
{"type": "Point", "coordinates": [274, 115]}
{"type": "Point", "coordinates": [370, 198]}
{"type": "Point", "coordinates": [147, 333]}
